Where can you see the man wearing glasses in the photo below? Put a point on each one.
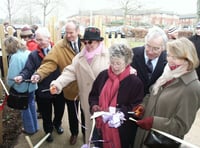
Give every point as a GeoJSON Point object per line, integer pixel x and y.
{"type": "Point", "coordinates": [150, 59]}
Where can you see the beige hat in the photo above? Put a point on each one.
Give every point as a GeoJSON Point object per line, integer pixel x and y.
{"type": "Point", "coordinates": [26, 31]}
{"type": "Point", "coordinates": [172, 29]}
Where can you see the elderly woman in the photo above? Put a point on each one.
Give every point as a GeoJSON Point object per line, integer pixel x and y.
{"type": "Point", "coordinates": [175, 97]}
{"type": "Point", "coordinates": [18, 55]}
{"type": "Point", "coordinates": [117, 91]}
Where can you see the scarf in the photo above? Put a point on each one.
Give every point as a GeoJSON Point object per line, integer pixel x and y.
{"type": "Point", "coordinates": [90, 55]}
{"type": "Point", "coordinates": [108, 97]}
{"type": "Point", "coordinates": [40, 51]}
{"type": "Point", "coordinates": [169, 75]}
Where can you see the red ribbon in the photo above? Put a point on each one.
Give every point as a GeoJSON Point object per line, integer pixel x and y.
{"type": "Point", "coordinates": [4, 102]}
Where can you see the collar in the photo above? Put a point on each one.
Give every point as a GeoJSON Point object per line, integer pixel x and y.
{"type": "Point", "coordinates": [76, 41]}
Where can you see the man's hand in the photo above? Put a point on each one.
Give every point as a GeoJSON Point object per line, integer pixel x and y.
{"type": "Point", "coordinates": [18, 79]}
{"type": "Point", "coordinates": [35, 78]}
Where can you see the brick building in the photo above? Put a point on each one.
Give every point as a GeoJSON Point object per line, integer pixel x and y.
{"type": "Point", "coordinates": [144, 18]}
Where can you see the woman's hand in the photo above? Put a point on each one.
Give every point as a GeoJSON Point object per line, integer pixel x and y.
{"type": "Point", "coordinates": [53, 89]}
{"type": "Point", "coordinates": [95, 108]}
{"type": "Point", "coordinates": [138, 111]}
{"type": "Point", "coordinates": [133, 71]}
{"type": "Point", "coordinates": [145, 123]}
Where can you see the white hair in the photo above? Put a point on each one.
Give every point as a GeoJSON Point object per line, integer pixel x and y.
{"type": "Point", "coordinates": [43, 31]}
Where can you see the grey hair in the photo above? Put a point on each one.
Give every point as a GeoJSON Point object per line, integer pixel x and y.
{"type": "Point", "coordinates": [157, 32]}
{"type": "Point", "coordinates": [77, 26]}
{"type": "Point", "coordinates": [43, 31]}
{"type": "Point", "coordinates": [121, 50]}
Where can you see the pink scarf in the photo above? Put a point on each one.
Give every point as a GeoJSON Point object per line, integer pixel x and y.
{"type": "Point", "coordinates": [108, 97]}
{"type": "Point", "coordinates": [90, 55]}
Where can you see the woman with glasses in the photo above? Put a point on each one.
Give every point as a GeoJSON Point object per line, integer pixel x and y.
{"type": "Point", "coordinates": [175, 97]}
{"type": "Point", "coordinates": [116, 91]}
{"type": "Point", "coordinates": [27, 35]}
{"type": "Point", "coordinates": [85, 67]}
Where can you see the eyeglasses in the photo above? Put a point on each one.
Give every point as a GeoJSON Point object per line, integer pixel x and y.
{"type": "Point", "coordinates": [87, 42]}
{"type": "Point", "coordinates": [26, 36]}
{"type": "Point", "coordinates": [154, 49]}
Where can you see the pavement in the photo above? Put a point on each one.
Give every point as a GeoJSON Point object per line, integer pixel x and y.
{"type": "Point", "coordinates": [62, 141]}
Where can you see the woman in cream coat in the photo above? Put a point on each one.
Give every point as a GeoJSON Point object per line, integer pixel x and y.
{"type": "Point", "coordinates": [84, 68]}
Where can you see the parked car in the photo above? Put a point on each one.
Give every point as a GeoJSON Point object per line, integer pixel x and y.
{"type": "Point", "coordinates": [116, 30]}
{"type": "Point", "coordinates": [62, 32]}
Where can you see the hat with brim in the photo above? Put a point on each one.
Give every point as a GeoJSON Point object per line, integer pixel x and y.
{"type": "Point", "coordinates": [92, 33]}
{"type": "Point", "coordinates": [26, 32]}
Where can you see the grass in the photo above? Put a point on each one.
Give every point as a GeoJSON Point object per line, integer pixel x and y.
{"type": "Point", "coordinates": [135, 44]}
{"type": "Point", "coordinates": [130, 41]}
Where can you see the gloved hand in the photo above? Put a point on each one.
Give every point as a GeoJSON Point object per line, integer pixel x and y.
{"type": "Point", "coordinates": [145, 123]}
{"type": "Point", "coordinates": [107, 117]}
{"type": "Point", "coordinates": [35, 78]}
{"type": "Point", "coordinates": [116, 120]}
{"type": "Point", "coordinates": [138, 111]}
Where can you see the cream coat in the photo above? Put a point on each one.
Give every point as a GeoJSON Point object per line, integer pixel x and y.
{"type": "Point", "coordinates": [174, 107]}
{"type": "Point", "coordinates": [85, 75]}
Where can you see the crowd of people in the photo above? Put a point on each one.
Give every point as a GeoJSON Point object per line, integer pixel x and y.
{"type": "Point", "coordinates": [156, 84]}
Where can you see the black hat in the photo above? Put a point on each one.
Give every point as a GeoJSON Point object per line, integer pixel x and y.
{"type": "Point", "coordinates": [92, 33]}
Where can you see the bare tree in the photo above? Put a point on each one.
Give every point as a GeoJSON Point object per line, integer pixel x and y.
{"type": "Point", "coordinates": [129, 6]}
{"type": "Point", "coordinates": [47, 7]}
{"type": "Point", "coordinates": [198, 10]}
{"type": "Point", "coordinates": [10, 8]}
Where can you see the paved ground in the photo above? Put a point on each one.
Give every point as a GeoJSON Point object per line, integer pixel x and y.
{"type": "Point", "coordinates": [62, 141]}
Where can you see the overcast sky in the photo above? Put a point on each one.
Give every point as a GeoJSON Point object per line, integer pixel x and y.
{"type": "Point", "coordinates": [178, 6]}
{"type": "Point", "coordinates": [71, 7]}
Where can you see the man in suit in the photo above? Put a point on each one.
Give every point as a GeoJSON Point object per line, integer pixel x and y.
{"type": "Point", "coordinates": [150, 59]}
{"type": "Point", "coordinates": [196, 40]}
{"type": "Point", "coordinates": [60, 56]}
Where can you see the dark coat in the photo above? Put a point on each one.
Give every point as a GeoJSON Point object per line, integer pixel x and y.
{"type": "Point", "coordinates": [34, 61]}
{"type": "Point", "coordinates": [130, 94]}
{"type": "Point", "coordinates": [138, 63]}
{"type": "Point", "coordinates": [196, 40]}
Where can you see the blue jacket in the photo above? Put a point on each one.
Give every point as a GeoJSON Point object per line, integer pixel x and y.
{"type": "Point", "coordinates": [16, 64]}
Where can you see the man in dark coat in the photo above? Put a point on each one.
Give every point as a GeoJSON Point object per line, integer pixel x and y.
{"type": "Point", "coordinates": [196, 40]}
{"type": "Point", "coordinates": [150, 59]}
